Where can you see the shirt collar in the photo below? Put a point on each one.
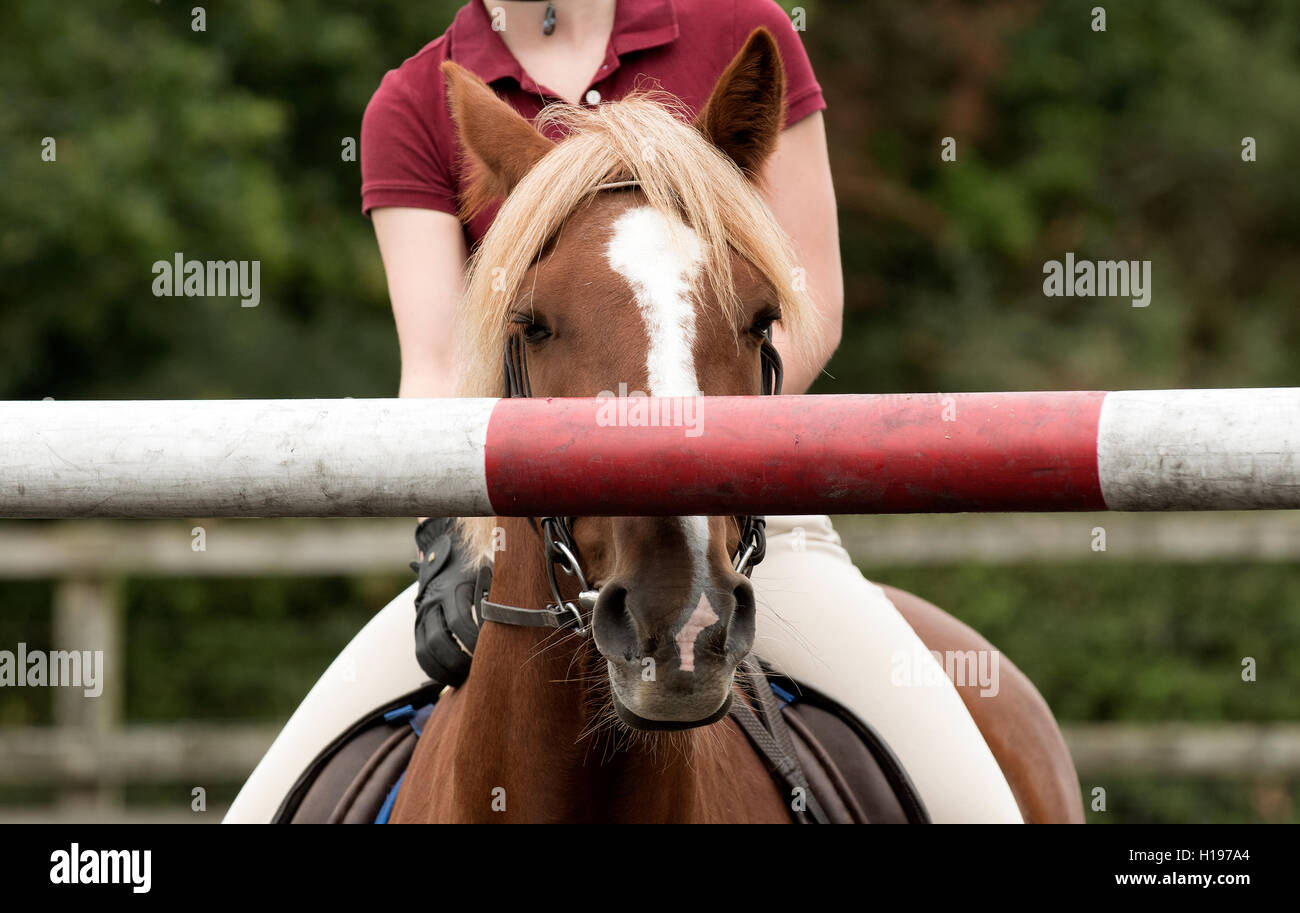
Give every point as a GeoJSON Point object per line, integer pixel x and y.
{"type": "Point", "coordinates": [638, 24]}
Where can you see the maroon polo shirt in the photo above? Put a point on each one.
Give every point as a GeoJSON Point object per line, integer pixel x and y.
{"type": "Point", "coordinates": [410, 154]}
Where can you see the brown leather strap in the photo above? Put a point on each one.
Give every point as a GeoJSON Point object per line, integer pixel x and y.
{"type": "Point", "coordinates": [366, 781]}
{"type": "Point", "coordinates": [549, 617]}
{"type": "Point", "coordinates": [834, 777]}
{"type": "Point", "coordinates": [773, 741]}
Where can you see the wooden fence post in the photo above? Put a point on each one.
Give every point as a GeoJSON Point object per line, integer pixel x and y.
{"type": "Point", "coordinates": [88, 617]}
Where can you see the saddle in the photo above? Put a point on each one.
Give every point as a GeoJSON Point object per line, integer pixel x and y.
{"type": "Point", "coordinates": [833, 765]}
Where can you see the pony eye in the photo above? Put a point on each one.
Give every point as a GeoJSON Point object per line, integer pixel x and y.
{"type": "Point", "coordinates": [534, 331]}
{"type": "Point", "coordinates": [763, 322]}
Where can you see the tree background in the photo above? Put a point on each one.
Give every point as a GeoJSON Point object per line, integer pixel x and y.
{"type": "Point", "coordinates": [1123, 144]}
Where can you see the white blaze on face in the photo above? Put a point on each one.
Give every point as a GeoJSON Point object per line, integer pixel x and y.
{"type": "Point", "coordinates": [660, 259]}
{"type": "Point", "coordinates": [697, 543]}
{"type": "Point", "coordinates": [701, 618]}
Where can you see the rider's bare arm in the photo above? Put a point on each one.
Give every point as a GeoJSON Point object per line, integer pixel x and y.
{"type": "Point", "coordinates": [424, 257]}
{"type": "Point", "coordinates": [797, 186]}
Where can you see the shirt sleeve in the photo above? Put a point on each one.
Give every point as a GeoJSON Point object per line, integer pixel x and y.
{"type": "Point", "coordinates": [401, 160]}
{"type": "Point", "coordinates": [803, 95]}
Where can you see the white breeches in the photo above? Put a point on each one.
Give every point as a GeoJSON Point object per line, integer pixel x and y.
{"type": "Point", "coordinates": [821, 622]}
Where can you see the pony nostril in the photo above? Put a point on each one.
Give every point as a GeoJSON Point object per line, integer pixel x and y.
{"type": "Point", "coordinates": [613, 601]}
{"type": "Point", "coordinates": [743, 617]}
{"type": "Point", "coordinates": [744, 596]}
{"type": "Point", "coordinates": [612, 624]}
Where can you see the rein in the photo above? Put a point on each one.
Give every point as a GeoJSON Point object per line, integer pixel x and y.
{"type": "Point", "coordinates": [559, 547]}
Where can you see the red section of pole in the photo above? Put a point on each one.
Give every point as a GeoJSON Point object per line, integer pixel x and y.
{"type": "Point", "coordinates": [905, 453]}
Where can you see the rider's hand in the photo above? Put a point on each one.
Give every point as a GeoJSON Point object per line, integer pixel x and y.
{"type": "Point", "coordinates": [446, 627]}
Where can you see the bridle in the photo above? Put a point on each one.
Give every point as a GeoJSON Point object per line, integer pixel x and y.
{"type": "Point", "coordinates": [764, 726]}
{"type": "Point", "coordinates": [559, 547]}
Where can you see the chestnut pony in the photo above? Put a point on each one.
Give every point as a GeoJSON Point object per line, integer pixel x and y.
{"type": "Point", "coordinates": [592, 263]}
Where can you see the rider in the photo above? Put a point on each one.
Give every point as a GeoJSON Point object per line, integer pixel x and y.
{"type": "Point", "coordinates": [586, 52]}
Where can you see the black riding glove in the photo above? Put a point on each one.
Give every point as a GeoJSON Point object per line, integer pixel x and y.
{"type": "Point", "coordinates": [446, 629]}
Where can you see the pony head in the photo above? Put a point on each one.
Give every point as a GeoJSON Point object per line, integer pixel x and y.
{"type": "Point", "coordinates": [636, 254]}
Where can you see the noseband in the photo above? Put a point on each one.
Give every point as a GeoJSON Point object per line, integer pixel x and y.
{"type": "Point", "coordinates": [558, 544]}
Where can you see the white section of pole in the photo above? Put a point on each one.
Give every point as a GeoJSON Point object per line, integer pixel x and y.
{"type": "Point", "coordinates": [244, 458]}
{"type": "Point", "coordinates": [1200, 449]}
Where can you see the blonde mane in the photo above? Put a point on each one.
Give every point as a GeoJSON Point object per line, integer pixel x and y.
{"type": "Point", "coordinates": [682, 175]}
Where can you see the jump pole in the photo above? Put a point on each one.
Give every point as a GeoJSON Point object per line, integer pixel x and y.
{"type": "Point", "coordinates": [1152, 450]}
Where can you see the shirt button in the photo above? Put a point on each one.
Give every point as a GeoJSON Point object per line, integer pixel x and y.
{"type": "Point", "coordinates": [593, 97]}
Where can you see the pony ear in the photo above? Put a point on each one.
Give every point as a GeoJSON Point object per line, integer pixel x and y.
{"type": "Point", "coordinates": [500, 145]}
{"type": "Point", "coordinates": [746, 112]}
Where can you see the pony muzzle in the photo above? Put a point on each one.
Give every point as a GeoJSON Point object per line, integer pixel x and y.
{"type": "Point", "coordinates": [672, 675]}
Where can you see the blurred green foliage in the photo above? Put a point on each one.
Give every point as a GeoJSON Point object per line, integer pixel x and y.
{"type": "Point", "coordinates": [25, 618]}
{"type": "Point", "coordinates": [226, 144]}
{"type": "Point", "coordinates": [1117, 145]}
{"type": "Point", "coordinates": [222, 144]}
{"type": "Point", "coordinates": [235, 649]}
{"type": "Point", "coordinates": [1195, 800]}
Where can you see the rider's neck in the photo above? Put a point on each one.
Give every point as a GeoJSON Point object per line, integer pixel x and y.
{"type": "Point", "coordinates": [565, 60]}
